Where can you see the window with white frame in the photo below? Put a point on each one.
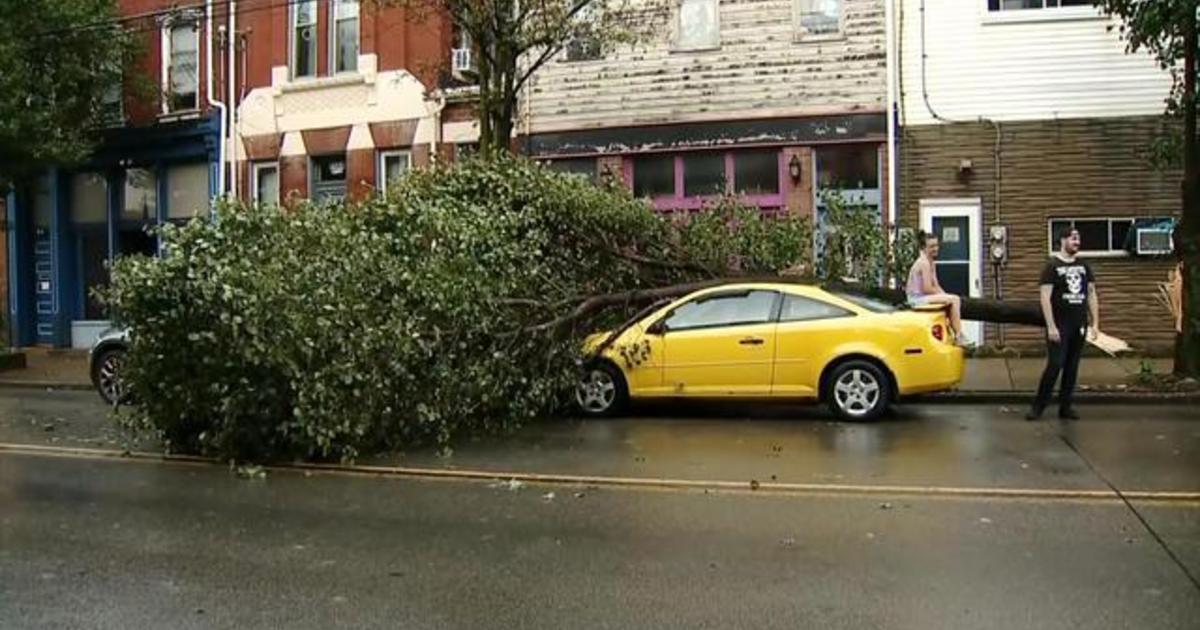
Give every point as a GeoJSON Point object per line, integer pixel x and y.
{"type": "Point", "coordinates": [699, 25]}
{"type": "Point", "coordinates": [392, 166]}
{"type": "Point", "coordinates": [585, 45]}
{"type": "Point", "coordinates": [345, 35]}
{"type": "Point", "coordinates": [304, 38]}
{"type": "Point", "coordinates": [266, 183]}
{"type": "Point", "coordinates": [1103, 236]}
{"type": "Point", "coordinates": [181, 47]}
{"type": "Point", "coordinates": [1022, 5]}
{"type": "Point", "coordinates": [327, 178]}
{"type": "Point", "coordinates": [817, 17]}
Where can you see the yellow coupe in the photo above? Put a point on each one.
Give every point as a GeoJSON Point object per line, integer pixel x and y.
{"type": "Point", "coordinates": [772, 341]}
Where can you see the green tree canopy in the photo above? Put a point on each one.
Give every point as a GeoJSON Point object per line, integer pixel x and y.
{"type": "Point", "coordinates": [58, 61]}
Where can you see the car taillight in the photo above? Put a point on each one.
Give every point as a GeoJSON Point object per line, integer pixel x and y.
{"type": "Point", "coordinates": [937, 332]}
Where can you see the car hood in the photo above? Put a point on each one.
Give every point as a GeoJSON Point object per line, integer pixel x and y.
{"type": "Point", "coordinates": [593, 341]}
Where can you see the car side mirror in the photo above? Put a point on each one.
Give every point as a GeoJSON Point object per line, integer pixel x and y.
{"type": "Point", "coordinates": [658, 328]}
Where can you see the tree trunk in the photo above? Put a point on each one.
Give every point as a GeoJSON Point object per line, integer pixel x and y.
{"type": "Point", "coordinates": [994, 311]}
{"type": "Point", "coordinates": [1187, 233]}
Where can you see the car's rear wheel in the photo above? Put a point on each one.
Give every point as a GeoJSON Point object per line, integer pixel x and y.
{"type": "Point", "coordinates": [858, 391]}
{"type": "Point", "coordinates": [106, 374]}
{"type": "Point", "coordinates": [601, 390]}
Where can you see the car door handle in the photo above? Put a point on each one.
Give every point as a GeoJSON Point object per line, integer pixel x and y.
{"type": "Point", "coordinates": [751, 341]}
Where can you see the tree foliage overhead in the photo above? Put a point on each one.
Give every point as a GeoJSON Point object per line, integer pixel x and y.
{"type": "Point", "coordinates": [1168, 30]}
{"type": "Point", "coordinates": [58, 58]}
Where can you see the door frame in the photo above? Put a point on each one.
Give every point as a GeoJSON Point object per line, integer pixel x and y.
{"type": "Point", "coordinates": [972, 208]}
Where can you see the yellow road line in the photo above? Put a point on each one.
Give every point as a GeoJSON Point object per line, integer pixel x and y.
{"type": "Point", "coordinates": [767, 487]}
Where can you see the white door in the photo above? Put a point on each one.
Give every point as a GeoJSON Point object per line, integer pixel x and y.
{"type": "Point", "coordinates": [957, 223]}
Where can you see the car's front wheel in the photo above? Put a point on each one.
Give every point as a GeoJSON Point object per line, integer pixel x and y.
{"type": "Point", "coordinates": [857, 391]}
{"type": "Point", "coordinates": [106, 374]}
{"type": "Point", "coordinates": [601, 390]}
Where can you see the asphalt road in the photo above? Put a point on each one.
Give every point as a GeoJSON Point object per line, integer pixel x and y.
{"type": "Point", "coordinates": [115, 543]}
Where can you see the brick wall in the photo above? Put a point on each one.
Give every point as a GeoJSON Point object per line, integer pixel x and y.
{"type": "Point", "coordinates": [1080, 168]}
{"type": "Point", "coordinates": [798, 196]}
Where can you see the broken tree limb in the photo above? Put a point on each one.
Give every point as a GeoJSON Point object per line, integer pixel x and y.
{"type": "Point", "coordinates": [974, 309]}
{"type": "Point", "coordinates": [993, 311]}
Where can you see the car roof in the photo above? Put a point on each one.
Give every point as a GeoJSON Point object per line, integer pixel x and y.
{"type": "Point", "coordinates": [794, 288]}
{"type": "Point", "coordinates": [786, 287]}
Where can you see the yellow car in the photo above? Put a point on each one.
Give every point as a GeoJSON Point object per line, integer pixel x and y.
{"type": "Point", "coordinates": [772, 341]}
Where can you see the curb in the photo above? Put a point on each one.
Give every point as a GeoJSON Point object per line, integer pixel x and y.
{"type": "Point", "coordinates": [53, 385]}
{"type": "Point", "coordinates": [1081, 397]}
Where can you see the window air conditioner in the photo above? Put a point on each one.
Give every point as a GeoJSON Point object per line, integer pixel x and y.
{"type": "Point", "coordinates": [1153, 241]}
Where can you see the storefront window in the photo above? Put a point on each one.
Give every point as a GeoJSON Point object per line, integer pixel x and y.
{"type": "Point", "coordinates": [139, 211]}
{"type": "Point", "coordinates": [187, 191]}
{"type": "Point", "coordinates": [703, 174]}
{"type": "Point", "coordinates": [756, 172]}
{"type": "Point", "coordinates": [89, 230]}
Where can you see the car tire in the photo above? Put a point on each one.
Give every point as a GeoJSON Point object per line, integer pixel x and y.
{"type": "Point", "coordinates": [106, 376]}
{"type": "Point", "coordinates": [601, 390]}
{"type": "Point", "coordinates": [857, 391]}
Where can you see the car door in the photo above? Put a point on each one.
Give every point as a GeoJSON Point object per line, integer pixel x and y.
{"type": "Point", "coordinates": [720, 344]}
{"type": "Point", "coordinates": [808, 327]}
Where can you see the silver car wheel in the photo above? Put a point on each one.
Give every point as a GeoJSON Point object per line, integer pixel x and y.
{"type": "Point", "coordinates": [596, 392]}
{"type": "Point", "coordinates": [857, 392]}
{"type": "Point", "coordinates": [109, 378]}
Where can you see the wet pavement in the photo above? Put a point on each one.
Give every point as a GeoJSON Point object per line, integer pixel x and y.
{"type": "Point", "coordinates": [1142, 448]}
{"type": "Point", "coordinates": [149, 544]}
{"type": "Point", "coordinates": [86, 544]}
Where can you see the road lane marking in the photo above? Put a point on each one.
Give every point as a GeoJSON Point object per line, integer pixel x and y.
{"type": "Point", "coordinates": [754, 487]}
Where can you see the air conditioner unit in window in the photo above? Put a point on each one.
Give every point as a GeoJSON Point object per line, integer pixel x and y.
{"type": "Point", "coordinates": [1154, 241]}
{"type": "Point", "coordinates": [462, 64]}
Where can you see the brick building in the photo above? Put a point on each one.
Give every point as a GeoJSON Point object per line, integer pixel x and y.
{"type": "Point", "coordinates": [329, 99]}
{"type": "Point", "coordinates": [337, 97]}
{"type": "Point", "coordinates": [1027, 119]}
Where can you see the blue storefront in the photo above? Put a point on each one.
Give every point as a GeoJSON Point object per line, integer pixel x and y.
{"type": "Point", "coordinates": [67, 225]}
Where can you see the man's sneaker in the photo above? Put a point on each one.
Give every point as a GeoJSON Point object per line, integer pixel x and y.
{"type": "Point", "coordinates": [1068, 414]}
{"type": "Point", "coordinates": [1033, 414]}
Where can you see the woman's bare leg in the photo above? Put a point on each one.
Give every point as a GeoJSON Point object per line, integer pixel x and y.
{"type": "Point", "coordinates": [955, 304]}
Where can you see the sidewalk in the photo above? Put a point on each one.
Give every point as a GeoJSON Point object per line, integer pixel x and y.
{"type": "Point", "coordinates": [1022, 375]}
{"type": "Point", "coordinates": [59, 369]}
{"type": "Point", "coordinates": [68, 369]}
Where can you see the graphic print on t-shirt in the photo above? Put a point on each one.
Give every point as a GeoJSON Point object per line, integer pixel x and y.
{"type": "Point", "coordinates": [1074, 293]}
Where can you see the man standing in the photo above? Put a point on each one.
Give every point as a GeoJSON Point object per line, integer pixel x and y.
{"type": "Point", "coordinates": [1068, 297]}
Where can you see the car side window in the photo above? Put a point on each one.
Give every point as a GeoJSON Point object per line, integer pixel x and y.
{"type": "Point", "coordinates": [751, 307]}
{"type": "Point", "coordinates": [802, 309]}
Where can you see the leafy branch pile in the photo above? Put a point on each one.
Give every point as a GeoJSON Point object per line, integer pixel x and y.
{"type": "Point", "coordinates": [452, 307]}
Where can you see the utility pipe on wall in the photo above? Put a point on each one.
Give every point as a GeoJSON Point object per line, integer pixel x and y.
{"type": "Point", "coordinates": [231, 80]}
{"type": "Point", "coordinates": [890, 35]}
{"type": "Point", "coordinates": [208, 92]}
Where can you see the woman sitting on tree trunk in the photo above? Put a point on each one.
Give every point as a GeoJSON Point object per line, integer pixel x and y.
{"type": "Point", "coordinates": [923, 286]}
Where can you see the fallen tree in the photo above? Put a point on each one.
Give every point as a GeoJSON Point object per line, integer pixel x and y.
{"type": "Point", "coordinates": [452, 307]}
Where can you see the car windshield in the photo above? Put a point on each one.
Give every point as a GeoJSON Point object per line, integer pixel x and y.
{"type": "Point", "coordinates": [871, 304]}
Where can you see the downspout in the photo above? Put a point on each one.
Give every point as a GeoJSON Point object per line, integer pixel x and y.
{"type": "Point", "coordinates": [439, 104]}
{"type": "Point", "coordinates": [208, 93]}
{"type": "Point", "coordinates": [231, 80]}
{"type": "Point", "coordinates": [996, 152]}
{"type": "Point", "coordinates": [890, 37]}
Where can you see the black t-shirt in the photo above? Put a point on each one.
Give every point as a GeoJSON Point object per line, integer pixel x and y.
{"type": "Point", "coordinates": [1070, 280]}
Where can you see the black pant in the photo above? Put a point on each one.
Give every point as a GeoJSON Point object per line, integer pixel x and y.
{"type": "Point", "coordinates": [1061, 355]}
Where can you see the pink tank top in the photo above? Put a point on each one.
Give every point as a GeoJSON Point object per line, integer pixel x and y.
{"type": "Point", "coordinates": [916, 280]}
